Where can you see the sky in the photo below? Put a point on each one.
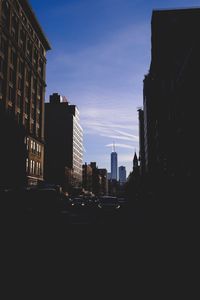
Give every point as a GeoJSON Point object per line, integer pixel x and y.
{"type": "Point", "coordinates": [101, 50]}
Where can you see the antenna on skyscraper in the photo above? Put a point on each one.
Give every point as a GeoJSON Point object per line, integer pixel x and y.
{"type": "Point", "coordinates": [113, 146]}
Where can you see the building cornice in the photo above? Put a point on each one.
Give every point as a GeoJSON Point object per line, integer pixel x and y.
{"type": "Point", "coordinates": [31, 15]}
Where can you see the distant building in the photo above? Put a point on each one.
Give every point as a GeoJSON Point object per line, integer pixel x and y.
{"type": "Point", "coordinates": [109, 175]}
{"type": "Point", "coordinates": [87, 177]}
{"type": "Point", "coordinates": [64, 143]}
{"type": "Point", "coordinates": [114, 166]}
{"type": "Point", "coordinates": [23, 47]}
{"type": "Point", "coordinates": [103, 182]}
{"type": "Point", "coordinates": [122, 175]}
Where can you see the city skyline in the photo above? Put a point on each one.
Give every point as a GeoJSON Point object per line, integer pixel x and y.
{"type": "Point", "coordinates": [98, 60]}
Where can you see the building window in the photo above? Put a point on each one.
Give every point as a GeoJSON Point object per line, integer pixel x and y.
{"type": "Point", "coordinates": [33, 146]}
{"type": "Point", "coordinates": [35, 57]}
{"type": "Point", "coordinates": [27, 143]}
{"type": "Point", "coordinates": [29, 49]}
{"type": "Point", "coordinates": [40, 68]}
{"type": "Point", "coordinates": [37, 168]}
{"type": "Point", "coordinates": [33, 167]}
{"type": "Point", "coordinates": [27, 165]}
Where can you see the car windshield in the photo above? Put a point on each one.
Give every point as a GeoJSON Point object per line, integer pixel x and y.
{"type": "Point", "coordinates": [78, 200]}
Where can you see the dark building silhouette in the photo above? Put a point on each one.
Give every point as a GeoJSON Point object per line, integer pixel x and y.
{"type": "Point", "coordinates": [23, 47]}
{"type": "Point", "coordinates": [64, 143]}
{"type": "Point", "coordinates": [95, 178]}
{"type": "Point", "coordinates": [135, 163]}
{"type": "Point", "coordinates": [171, 90]}
{"type": "Point", "coordinates": [141, 141]}
{"type": "Point", "coordinates": [103, 181]}
{"type": "Point", "coordinates": [87, 177]}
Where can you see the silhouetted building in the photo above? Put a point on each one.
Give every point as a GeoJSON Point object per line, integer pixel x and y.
{"type": "Point", "coordinates": [64, 143]}
{"type": "Point", "coordinates": [171, 90]}
{"type": "Point", "coordinates": [23, 47]}
{"type": "Point", "coordinates": [103, 181]}
{"type": "Point", "coordinates": [95, 178]}
{"type": "Point", "coordinates": [141, 141]}
{"type": "Point", "coordinates": [114, 165]}
{"type": "Point", "coordinates": [122, 175]}
{"type": "Point", "coordinates": [135, 162]}
{"type": "Point", "coordinates": [136, 168]}
{"type": "Point", "coordinates": [87, 177]}
{"type": "Point", "coordinates": [113, 187]}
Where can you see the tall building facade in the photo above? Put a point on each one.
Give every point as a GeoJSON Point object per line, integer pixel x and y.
{"type": "Point", "coordinates": [23, 48]}
{"type": "Point", "coordinates": [114, 166]}
{"type": "Point", "coordinates": [170, 95]}
{"type": "Point", "coordinates": [122, 175]}
{"type": "Point", "coordinates": [63, 143]}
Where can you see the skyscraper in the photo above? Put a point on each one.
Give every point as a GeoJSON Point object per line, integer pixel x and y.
{"type": "Point", "coordinates": [114, 164]}
{"type": "Point", "coordinates": [64, 143]}
{"type": "Point", "coordinates": [122, 175]}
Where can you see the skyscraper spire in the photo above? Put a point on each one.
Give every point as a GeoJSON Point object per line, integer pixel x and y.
{"type": "Point", "coordinates": [113, 146]}
{"type": "Point", "coordinates": [135, 161]}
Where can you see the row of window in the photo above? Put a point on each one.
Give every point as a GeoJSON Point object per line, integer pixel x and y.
{"type": "Point", "coordinates": [29, 79]}
{"type": "Point", "coordinates": [33, 146]}
{"type": "Point", "coordinates": [33, 167]}
{"type": "Point", "coordinates": [38, 63]}
{"type": "Point", "coordinates": [15, 23]}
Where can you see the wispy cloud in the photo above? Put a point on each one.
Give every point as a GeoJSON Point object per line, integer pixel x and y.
{"type": "Point", "coordinates": [120, 146]}
{"type": "Point", "coordinates": [117, 124]}
{"type": "Point", "coordinates": [117, 137]}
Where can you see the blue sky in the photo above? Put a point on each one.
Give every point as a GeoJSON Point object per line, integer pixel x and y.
{"type": "Point", "coordinates": [100, 54]}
